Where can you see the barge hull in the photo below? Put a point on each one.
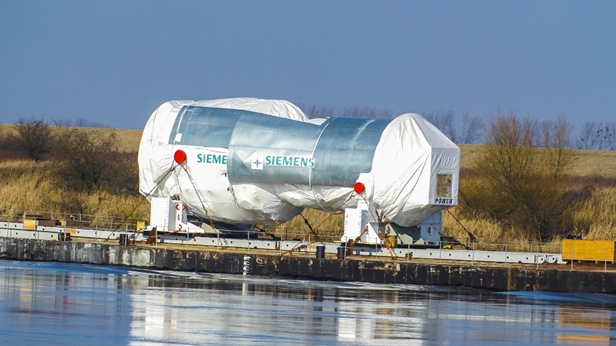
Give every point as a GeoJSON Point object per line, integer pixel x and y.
{"type": "Point", "coordinates": [374, 270]}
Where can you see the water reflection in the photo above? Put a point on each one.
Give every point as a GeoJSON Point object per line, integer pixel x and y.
{"type": "Point", "coordinates": [75, 304]}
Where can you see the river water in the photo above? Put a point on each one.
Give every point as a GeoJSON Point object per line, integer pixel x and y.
{"type": "Point", "coordinates": [72, 304]}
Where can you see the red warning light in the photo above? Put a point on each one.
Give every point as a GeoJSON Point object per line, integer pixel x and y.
{"type": "Point", "coordinates": [359, 188]}
{"type": "Point", "coordinates": [179, 156]}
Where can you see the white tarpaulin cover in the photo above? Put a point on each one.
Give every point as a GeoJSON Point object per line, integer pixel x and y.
{"type": "Point", "coordinates": [262, 161]}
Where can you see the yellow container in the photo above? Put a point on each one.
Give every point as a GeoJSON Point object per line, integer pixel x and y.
{"type": "Point", "coordinates": [30, 224]}
{"type": "Point", "coordinates": [588, 250]}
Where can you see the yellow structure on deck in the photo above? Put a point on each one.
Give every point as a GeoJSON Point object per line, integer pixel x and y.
{"type": "Point", "coordinates": [588, 250]}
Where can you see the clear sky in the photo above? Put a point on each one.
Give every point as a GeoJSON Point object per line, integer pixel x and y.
{"type": "Point", "coordinates": [114, 62]}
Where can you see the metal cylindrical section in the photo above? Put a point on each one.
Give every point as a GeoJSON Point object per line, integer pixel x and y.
{"type": "Point", "coordinates": [268, 149]}
{"type": "Point", "coordinates": [320, 251]}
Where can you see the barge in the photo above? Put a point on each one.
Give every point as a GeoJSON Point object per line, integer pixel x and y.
{"type": "Point", "coordinates": [435, 266]}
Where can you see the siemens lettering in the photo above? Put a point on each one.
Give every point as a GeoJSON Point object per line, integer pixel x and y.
{"type": "Point", "coordinates": [289, 161]}
{"type": "Point", "coordinates": [212, 158]}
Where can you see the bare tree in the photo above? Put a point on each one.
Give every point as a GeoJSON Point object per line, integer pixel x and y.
{"type": "Point", "coordinates": [609, 136]}
{"type": "Point", "coordinates": [520, 185]}
{"type": "Point", "coordinates": [34, 138]}
{"type": "Point", "coordinates": [62, 122]}
{"type": "Point", "coordinates": [83, 122]}
{"type": "Point", "coordinates": [386, 114]}
{"type": "Point", "coordinates": [597, 136]}
{"type": "Point", "coordinates": [314, 111]}
{"type": "Point", "coordinates": [444, 121]}
{"type": "Point", "coordinates": [585, 139]}
{"type": "Point", "coordinates": [367, 112]}
{"type": "Point", "coordinates": [558, 147]}
{"type": "Point", "coordinates": [9, 148]}
{"type": "Point", "coordinates": [546, 133]}
{"type": "Point", "coordinates": [555, 133]}
{"type": "Point", "coordinates": [471, 129]}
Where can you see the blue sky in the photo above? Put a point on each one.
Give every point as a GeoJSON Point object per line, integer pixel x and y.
{"type": "Point", "coordinates": [114, 62]}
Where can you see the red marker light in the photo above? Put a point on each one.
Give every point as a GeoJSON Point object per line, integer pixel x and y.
{"type": "Point", "coordinates": [359, 188]}
{"type": "Point", "coordinates": [179, 156]}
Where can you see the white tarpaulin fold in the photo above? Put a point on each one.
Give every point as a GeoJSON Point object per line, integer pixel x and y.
{"type": "Point", "coordinates": [408, 159]}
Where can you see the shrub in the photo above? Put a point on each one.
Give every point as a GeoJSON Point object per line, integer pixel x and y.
{"type": "Point", "coordinates": [34, 138]}
{"type": "Point", "coordinates": [93, 164]}
{"type": "Point", "coordinates": [519, 184]}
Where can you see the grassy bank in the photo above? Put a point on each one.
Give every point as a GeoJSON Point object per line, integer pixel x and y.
{"type": "Point", "coordinates": [29, 186]}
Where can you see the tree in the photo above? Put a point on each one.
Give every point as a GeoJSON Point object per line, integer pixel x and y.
{"type": "Point", "coordinates": [519, 184]}
{"type": "Point", "coordinates": [93, 164]}
{"type": "Point", "coordinates": [316, 112]}
{"type": "Point", "coordinates": [444, 121]}
{"type": "Point", "coordinates": [62, 122]}
{"type": "Point", "coordinates": [367, 112]}
{"type": "Point", "coordinates": [471, 129]}
{"type": "Point", "coordinates": [597, 136]}
{"type": "Point", "coordinates": [83, 122]}
{"type": "Point", "coordinates": [34, 138]}
{"type": "Point", "coordinates": [558, 144]}
{"type": "Point", "coordinates": [609, 136]}
{"type": "Point", "coordinates": [9, 148]}
{"type": "Point", "coordinates": [585, 138]}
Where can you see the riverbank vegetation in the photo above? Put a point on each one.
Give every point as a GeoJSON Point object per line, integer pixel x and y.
{"type": "Point", "coordinates": [524, 184]}
{"type": "Point", "coordinates": [81, 171]}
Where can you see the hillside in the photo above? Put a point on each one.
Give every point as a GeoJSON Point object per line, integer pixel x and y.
{"type": "Point", "coordinates": [128, 140]}
{"type": "Point", "coordinates": [591, 174]}
{"type": "Point", "coordinates": [585, 162]}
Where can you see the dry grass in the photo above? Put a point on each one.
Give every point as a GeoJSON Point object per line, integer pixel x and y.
{"type": "Point", "coordinates": [128, 140]}
{"type": "Point", "coordinates": [595, 220]}
{"type": "Point", "coordinates": [24, 185]}
{"type": "Point", "coordinates": [27, 186]}
{"type": "Point", "coordinates": [484, 230]}
{"type": "Point", "coordinates": [469, 153]}
{"type": "Point", "coordinates": [593, 163]}
{"type": "Point", "coordinates": [491, 236]}
{"type": "Point", "coordinates": [585, 162]}
{"type": "Point", "coordinates": [599, 213]}
{"type": "Point", "coordinates": [328, 227]}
